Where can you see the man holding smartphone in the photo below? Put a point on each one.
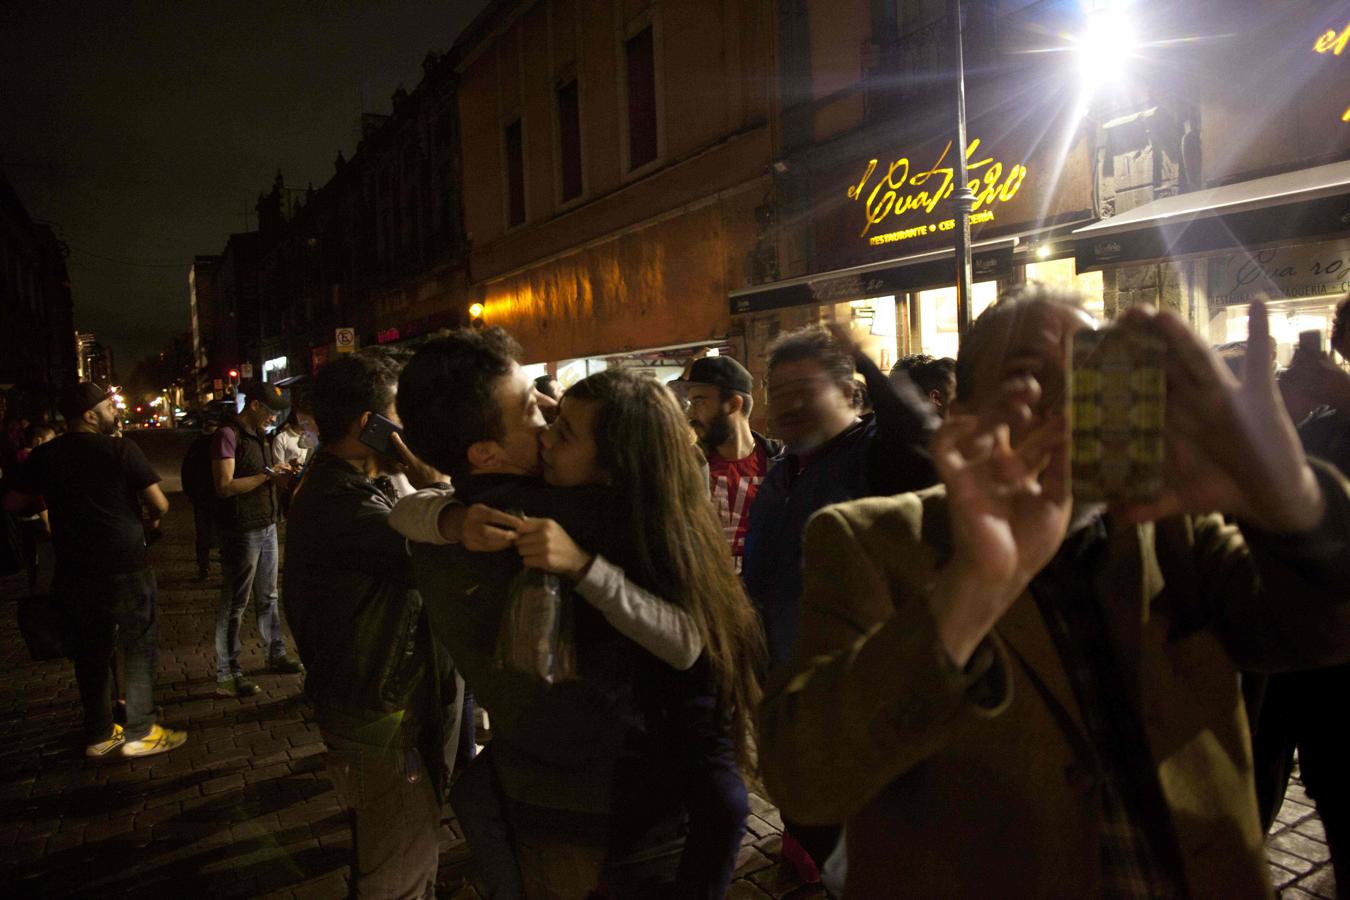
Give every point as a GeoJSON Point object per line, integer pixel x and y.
{"type": "Point", "coordinates": [246, 479]}
{"type": "Point", "coordinates": [385, 694]}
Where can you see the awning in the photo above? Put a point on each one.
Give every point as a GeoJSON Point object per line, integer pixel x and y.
{"type": "Point", "coordinates": [989, 259]}
{"type": "Point", "coordinates": [1292, 206]}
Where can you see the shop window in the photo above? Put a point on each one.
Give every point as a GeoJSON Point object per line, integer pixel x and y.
{"type": "Point", "coordinates": [514, 151]}
{"type": "Point", "coordinates": [569, 141]}
{"type": "Point", "coordinates": [1061, 274]}
{"type": "Point", "coordinates": [937, 326]}
{"type": "Point", "coordinates": [1288, 319]}
{"type": "Point", "coordinates": [640, 53]}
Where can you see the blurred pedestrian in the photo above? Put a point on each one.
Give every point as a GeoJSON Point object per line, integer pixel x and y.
{"type": "Point", "coordinates": [384, 692]}
{"type": "Point", "coordinates": [935, 378]}
{"type": "Point", "coordinates": [102, 494]}
{"type": "Point", "coordinates": [200, 489]}
{"type": "Point", "coordinates": [290, 445]}
{"type": "Point", "coordinates": [1293, 714]}
{"type": "Point", "coordinates": [993, 685]}
{"type": "Point", "coordinates": [832, 454]}
{"type": "Point", "coordinates": [247, 477]}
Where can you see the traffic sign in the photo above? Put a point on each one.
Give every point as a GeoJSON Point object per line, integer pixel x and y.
{"type": "Point", "coordinates": [345, 338]}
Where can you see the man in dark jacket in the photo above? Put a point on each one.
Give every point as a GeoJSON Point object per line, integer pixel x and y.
{"type": "Point", "coordinates": [379, 684]}
{"type": "Point", "coordinates": [832, 455]}
{"type": "Point", "coordinates": [247, 481]}
{"type": "Point", "coordinates": [195, 474]}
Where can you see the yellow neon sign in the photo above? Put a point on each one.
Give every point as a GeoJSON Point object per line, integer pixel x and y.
{"type": "Point", "coordinates": [886, 199]}
{"type": "Point", "coordinates": [1333, 42]}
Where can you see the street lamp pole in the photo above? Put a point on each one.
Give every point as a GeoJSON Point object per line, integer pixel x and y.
{"type": "Point", "coordinates": [962, 198]}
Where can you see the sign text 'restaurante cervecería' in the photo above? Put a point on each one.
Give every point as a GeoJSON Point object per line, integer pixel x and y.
{"type": "Point", "coordinates": [903, 192]}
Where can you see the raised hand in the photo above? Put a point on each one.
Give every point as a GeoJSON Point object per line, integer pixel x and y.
{"type": "Point", "coordinates": [1230, 445]}
{"type": "Point", "coordinates": [1009, 508]}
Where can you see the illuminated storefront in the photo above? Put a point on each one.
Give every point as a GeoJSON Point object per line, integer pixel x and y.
{"type": "Point", "coordinates": [881, 232]}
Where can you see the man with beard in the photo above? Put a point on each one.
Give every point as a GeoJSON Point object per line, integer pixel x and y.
{"type": "Point", "coordinates": [719, 397]}
{"type": "Point", "coordinates": [101, 495]}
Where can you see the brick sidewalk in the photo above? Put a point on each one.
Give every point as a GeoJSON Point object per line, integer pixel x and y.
{"type": "Point", "coordinates": [245, 808]}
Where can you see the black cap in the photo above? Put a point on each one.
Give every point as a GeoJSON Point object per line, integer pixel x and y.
{"type": "Point", "coordinates": [268, 395]}
{"type": "Point", "coordinates": [721, 372]}
{"type": "Point", "coordinates": [78, 399]}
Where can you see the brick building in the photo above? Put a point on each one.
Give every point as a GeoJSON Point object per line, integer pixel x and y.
{"type": "Point", "coordinates": [615, 158]}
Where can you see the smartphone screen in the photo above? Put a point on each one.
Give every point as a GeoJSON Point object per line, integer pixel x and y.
{"type": "Point", "coordinates": [1118, 390]}
{"type": "Point", "coordinates": [376, 435]}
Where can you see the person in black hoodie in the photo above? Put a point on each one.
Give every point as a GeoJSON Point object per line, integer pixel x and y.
{"type": "Point", "coordinates": [195, 474]}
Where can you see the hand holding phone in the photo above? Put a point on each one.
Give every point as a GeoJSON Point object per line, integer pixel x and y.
{"type": "Point", "coordinates": [376, 436]}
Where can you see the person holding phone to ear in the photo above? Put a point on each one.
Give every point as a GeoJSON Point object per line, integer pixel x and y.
{"type": "Point", "coordinates": [385, 695]}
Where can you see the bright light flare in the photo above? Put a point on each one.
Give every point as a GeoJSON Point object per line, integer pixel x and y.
{"type": "Point", "coordinates": [1105, 47]}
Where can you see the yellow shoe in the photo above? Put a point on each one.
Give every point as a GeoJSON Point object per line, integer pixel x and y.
{"type": "Point", "coordinates": [103, 748]}
{"type": "Point", "coordinates": [159, 740]}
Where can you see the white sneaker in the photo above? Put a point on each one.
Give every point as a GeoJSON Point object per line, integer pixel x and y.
{"type": "Point", "coordinates": [159, 740]}
{"type": "Point", "coordinates": [103, 748]}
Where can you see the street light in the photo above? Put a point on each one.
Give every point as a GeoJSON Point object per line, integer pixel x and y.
{"type": "Point", "coordinates": [963, 199]}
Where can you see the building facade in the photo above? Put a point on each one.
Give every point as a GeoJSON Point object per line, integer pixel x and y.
{"type": "Point", "coordinates": [37, 313]}
{"type": "Point", "coordinates": [1191, 167]}
{"type": "Point", "coordinates": [615, 157]}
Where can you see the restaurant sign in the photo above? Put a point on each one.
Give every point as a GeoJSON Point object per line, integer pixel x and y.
{"type": "Point", "coordinates": [906, 201]}
{"type": "Point", "coordinates": [1304, 270]}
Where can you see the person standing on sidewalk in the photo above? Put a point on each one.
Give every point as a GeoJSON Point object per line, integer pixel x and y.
{"type": "Point", "coordinates": [384, 692]}
{"type": "Point", "coordinates": [95, 486]}
{"type": "Point", "coordinates": [719, 393]}
{"type": "Point", "coordinates": [200, 488]}
{"type": "Point", "coordinates": [246, 482]}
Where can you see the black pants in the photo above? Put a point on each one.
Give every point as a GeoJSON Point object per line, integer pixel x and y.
{"type": "Point", "coordinates": [204, 521]}
{"type": "Point", "coordinates": [112, 611]}
{"type": "Point", "coordinates": [1301, 710]}
{"type": "Point", "coordinates": [395, 813]}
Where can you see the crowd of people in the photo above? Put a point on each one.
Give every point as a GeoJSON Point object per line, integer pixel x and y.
{"type": "Point", "coordinates": [891, 615]}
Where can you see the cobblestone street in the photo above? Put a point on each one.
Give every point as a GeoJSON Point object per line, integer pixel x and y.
{"type": "Point", "coordinates": [245, 808]}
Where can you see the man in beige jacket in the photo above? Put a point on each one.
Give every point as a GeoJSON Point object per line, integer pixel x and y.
{"type": "Point", "coordinates": [1004, 694]}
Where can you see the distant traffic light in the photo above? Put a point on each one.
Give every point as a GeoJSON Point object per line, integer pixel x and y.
{"type": "Point", "coordinates": [233, 373]}
{"type": "Point", "coordinates": [476, 315]}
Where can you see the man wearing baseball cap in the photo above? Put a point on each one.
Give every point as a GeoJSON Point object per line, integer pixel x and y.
{"type": "Point", "coordinates": [246, 479]}
{"type": "Point", "coordinates": [101, 494]}
{"type": "Point", "coordinates": [719, 393]}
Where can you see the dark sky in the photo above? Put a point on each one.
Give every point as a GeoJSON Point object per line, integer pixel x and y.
{"type": "Point", "coordinates": [145, 131]}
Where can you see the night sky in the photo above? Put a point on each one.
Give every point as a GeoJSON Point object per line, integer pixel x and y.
{"type": "Point", "coordinates": [144, 132]}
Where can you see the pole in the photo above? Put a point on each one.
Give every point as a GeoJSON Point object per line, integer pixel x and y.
{"type": "Point", "coordinates": [962, 198]}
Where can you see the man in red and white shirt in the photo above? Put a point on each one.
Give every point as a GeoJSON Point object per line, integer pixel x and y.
{"type": "Point", "coordinates": [719, 391]}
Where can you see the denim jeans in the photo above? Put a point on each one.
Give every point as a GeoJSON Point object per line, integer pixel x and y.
{"type": "Point", "coordinates": [248, 561]}
{"type": "Point", "coordinates": [112, 611]}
